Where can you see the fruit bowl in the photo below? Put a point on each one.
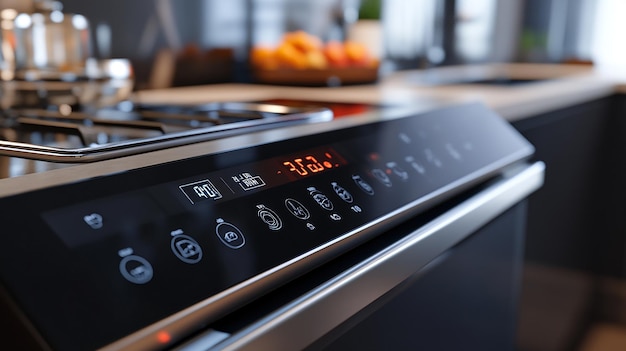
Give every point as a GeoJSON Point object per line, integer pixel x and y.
{"type": "Point", "coordinates": [317, 77]}
{"type": "Point", "coordinates": [303, 59]}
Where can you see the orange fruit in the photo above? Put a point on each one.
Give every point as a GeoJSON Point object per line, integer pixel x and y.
{"type": "Point", "coordinates": [357, 53]}
{"type": "Point", "coordinates": [264, 58]}
{"type": "Point", "coordinates": [303, 41]}
{"type": "Point", "coordinates": [336, 54]}
{"type": "Point", "coordinates": [288, 56]}
{"type": "Point", "coordinates": [316, 60]}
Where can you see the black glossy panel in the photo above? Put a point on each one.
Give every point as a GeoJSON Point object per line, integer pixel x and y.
{"type": "Point", "coordinates": [102, 258]}
{"type": "Point", "coordinates": [449, 305]}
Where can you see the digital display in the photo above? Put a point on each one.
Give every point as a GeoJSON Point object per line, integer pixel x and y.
{"type": "Point", "coordinates": [311, 162]}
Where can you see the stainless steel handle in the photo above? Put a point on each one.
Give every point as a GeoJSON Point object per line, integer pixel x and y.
{"type": "Point", "coordinates": [291, 327]}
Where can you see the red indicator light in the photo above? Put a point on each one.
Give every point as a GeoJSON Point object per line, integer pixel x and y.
{"type": "Point", "coordinates": [328, 164]}
{"type": "Point", "coordinates": [373, 157]}
{"type": "Point", "coordinates": [328, 155]}
{"type": "Point", "coordinates": [388, 171]}
{"type": "Point", "coordinates": [163, 337]}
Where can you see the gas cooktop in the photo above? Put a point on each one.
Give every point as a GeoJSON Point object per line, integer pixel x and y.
{"type": "Point", "coordinates": [35, 140]}
{"type": "Point", "coordinates": [62, 134]}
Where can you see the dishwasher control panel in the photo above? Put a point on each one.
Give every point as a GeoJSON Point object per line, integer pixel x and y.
{"type": "Point", "coordinates": [103, 258]}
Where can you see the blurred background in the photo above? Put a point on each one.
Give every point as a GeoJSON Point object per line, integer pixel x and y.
{"type": "Point", "coordinates": [214, 38]}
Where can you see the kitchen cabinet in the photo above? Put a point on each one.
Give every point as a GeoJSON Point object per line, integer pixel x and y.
{"type": "Point", "coordinates": [577, 220]}
{"type": "Point", "coordinates": [563, 214]}
{"type": "Point", "coordinates": [575, 233]}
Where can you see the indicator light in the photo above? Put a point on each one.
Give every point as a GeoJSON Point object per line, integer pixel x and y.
{"type": "Point", "coordinates": [163, 337]}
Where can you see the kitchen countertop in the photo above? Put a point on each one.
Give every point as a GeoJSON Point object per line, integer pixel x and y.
{"type": "Point", "coordinates": [557, 86]}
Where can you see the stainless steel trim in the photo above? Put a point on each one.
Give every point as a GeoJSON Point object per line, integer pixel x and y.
{"type": "Point", "coordinates": [204, 341]}
{"type": "Point", "coordinates": [306, 319]}
{"type": "Point", "coordinates": [287, 116]}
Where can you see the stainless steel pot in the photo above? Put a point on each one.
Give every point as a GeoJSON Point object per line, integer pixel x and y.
{"type": "Point", "coordinates": [50, 44]}
{"type": "Point", "coordinates": [48, 63]}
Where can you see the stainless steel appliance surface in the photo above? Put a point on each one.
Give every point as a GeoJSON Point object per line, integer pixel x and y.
{"type": "Point", "coordinates": [64, 136]}
{"type": "Point", "coordinates": [153, 228]}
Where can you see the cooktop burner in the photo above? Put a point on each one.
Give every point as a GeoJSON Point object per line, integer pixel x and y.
{"type": "Point", "coordinates": [64, 135]}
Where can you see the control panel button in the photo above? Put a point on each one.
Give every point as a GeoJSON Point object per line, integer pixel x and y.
{"type": "Point", "coordinates": [136, 269]}
{"type": "Point", "coordinates": [363, 185]}
{"type": "Point", "coordinates": [404, 138]}
{"type": "Point", "coordinates": [94, 220]}
{"type": "Point", "coordinates": [415, 165]}
{"type": "Point", "coordinates": [229, 235]}
{"type": "Point", "coordinates": [342, 193]}
{"type": "Point", "coordinates": [432, 158]}
{"type": "Point", "coordinates": [185, 247]}
{"type": "Point", "coordinates": [200, 191]}
{"type": "Point", "coordinates": [398, 171]}
{"type": "Point", "coordinates": [452, 151]}
{"type": "Point", "coordinates": [381, 176]}
{"type": "Point", "coordinates": [269, 217]}
{"type": "Point", "coordinates": [321, 199]}
{"type": "Point", "coordinates": [248, 181]}
{"type": "Point", "coordinates": [297, 209]}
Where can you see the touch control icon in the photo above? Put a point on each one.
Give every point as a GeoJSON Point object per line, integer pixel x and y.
{"type": "Point", "coordinates": [398, 171]}
{"type": "Point", "coordinates": [229, 235]}
{"type": "Point", "coordinates": [363, 185]}
{"type": "Point", "coordinates": [452, 151]}
{"type": "Point", "coordinates": [342, 193]}
{"type": "Point", "coordinates": [432, 158]}
{"type": "Point", "coordinates": [247, 181]}
{"type": "Point", "coordinates": [186, 248]}
{"type": "Point", "coordinates": [269, 217]}
{"type": "Point", "coordinates": [415, 165]}
{"type": "Point", "coordinates": [135, 269]}
{"type": "Point", "coordinates": [297, 209]}
{"type": "Point", "coordinates": [94, 220]}
{"type": "Point", "coordinates": [321, 199]}
{"type": "Point", "coordinates": [381, 176]}
{"type": "Point", "coordinates": [200, 191]}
